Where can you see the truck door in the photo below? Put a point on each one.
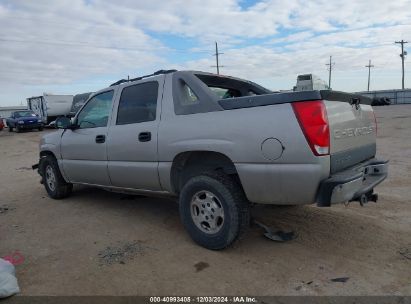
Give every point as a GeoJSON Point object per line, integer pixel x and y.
{"type": "Point", "coordinates": [132, 137]}
{"type": "Point", "coordinates": [83, 149]}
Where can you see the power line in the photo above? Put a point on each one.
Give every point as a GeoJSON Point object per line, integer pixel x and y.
{"type": "Point", "coordinates": [369, 66]}
{"type": "Point", "coordinates": [402, 55]}
{"type": "Point", "coordinates": [88, 45]}
{"type": "Point", "coordinates": [330, 67]}
{"type": "Point", "coordinates": [76, 44]}
{"type": "Point", "coordinates": [216, 57]}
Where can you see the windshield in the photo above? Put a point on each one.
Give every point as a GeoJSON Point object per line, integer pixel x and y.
{"type": "Point", "coordinates": [304, 77]}
{"type": "Point", "coordinates": [24, 114]}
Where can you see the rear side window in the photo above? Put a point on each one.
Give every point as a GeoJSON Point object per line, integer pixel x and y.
{"type": "Point", "coordinates": [188, 96]}
{"type": "Point", "coordinates": [138, 103]}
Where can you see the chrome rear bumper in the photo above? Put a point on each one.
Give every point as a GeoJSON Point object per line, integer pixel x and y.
{"type": "Point", "coordinates": [353, 183]}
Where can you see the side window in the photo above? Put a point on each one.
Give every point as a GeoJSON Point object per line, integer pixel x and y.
{"type": "Point", "coordinates": [138, 103]}
{"type": "Point", "coordinates": [188, 96]}
{"type": "Point", "coordinates": [191, 96]}
{"type": "Point", "coordinates": [96, 112]}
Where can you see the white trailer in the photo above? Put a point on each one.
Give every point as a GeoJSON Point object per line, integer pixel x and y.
{"type": "Point", "coordinates": [48, 107]}
{"type": "Point", "coordinates": [310, 82]}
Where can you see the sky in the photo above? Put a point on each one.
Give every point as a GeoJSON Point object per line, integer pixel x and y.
{"type": "Point", "coordinates": [76, 46]}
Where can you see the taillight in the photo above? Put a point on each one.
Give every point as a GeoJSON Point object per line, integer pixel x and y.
{"type": "Point", "coordinates": [312, 117]}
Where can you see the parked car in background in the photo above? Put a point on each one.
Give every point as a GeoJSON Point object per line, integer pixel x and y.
{"type": "Point", "coordinates": [24, 120]}
{"type": "Point", "coordinates": [383, 101]}
{"type": "Point", "coordinates": [218, 144]}
{"type": "Point", "coordinates": [1, 124]}
{"type": "Point", "coordinates": [48, 107]}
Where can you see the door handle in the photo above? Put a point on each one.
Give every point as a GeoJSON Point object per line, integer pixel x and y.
{"type": "Point", "coordinates": [100, 139]}
{"type": "Point", "coordinates": [144, 136]}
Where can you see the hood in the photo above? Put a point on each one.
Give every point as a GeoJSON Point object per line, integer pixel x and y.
{"type": "Point", "coordinates": [29, 118]}
{"type": "Point", "coordinates": [52, 138]}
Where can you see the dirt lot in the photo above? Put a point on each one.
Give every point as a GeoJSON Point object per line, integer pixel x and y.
{"type": "Point", "coordinates": [100, 243]}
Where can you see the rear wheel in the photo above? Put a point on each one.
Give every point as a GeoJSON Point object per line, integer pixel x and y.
{"type": "Point", "coordinates": [53, 181]}
{"type": "Point", "coordinates": [214, 210]}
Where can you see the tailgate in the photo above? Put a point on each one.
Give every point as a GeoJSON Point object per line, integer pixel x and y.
{"type": "Point", "coordinates": [352, 129]}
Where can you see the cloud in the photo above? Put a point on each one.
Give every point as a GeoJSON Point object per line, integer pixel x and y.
{"type": "Point", "coordinates": [73, 42]}
{"type": "Point", "coordinates": [64, 41]}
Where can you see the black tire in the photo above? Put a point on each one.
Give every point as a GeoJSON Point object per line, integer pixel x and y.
{"type": "Point", "coordinates": [229, 193]}
{"type": "Point", "coordinates": [40, 128]}
{"type": "Point", "coordinates": [61, 188]}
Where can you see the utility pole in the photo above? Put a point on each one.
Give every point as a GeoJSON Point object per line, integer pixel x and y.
{"type": "Point", "coordinates": [369, 66]}
{"type": "Point", "coordinates": [216, 57]}
{"type": "Point", "coordinates": [402, 55]}
{"type": "Point", "coordinates": [330, 67]}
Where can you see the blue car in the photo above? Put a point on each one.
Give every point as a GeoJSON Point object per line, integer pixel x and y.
{"type": "Point", "coordinates": [24, 120]}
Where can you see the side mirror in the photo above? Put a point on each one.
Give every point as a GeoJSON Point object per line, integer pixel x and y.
{"type": "Point", "coordinates": [63, 122]}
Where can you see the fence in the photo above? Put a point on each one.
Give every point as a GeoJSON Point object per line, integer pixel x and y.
{"type": "Point", "coordinates": [395, 96]}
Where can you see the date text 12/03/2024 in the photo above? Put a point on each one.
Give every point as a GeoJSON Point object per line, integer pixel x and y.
{"type": "Point", "coordinates": [203, 299]}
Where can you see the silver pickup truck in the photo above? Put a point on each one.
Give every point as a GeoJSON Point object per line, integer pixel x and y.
{"type": "Point", "coordinates": [218, 144]}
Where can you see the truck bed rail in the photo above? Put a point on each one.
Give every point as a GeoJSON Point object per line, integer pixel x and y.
{"type": "Point", "coordinates": [289, 97]}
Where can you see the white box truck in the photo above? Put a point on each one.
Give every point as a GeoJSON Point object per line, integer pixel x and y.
{"type": "Point", "coordinates": [48, 106]}
{"type": "Point", "coordinates": [310, 82]}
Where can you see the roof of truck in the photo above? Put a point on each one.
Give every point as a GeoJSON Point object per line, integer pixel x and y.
{"type": "Point", "coordinates": [159, 72]}
{"type": "Point", "coordinates": [212, 78]}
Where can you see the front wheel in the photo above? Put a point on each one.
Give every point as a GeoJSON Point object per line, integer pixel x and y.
{"type": "Point", "coordinates": [214, 210]}
{"type": "Point", "coordinates": [54, 182]}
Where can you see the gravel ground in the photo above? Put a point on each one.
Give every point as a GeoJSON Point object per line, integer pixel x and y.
{"type": "Point", "coordinates": [101, 243]}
